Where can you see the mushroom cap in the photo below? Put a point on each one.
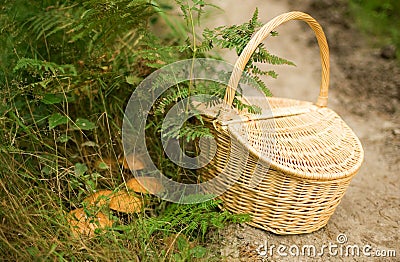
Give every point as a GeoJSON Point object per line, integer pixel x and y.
{"type": "Point", "coordinates": [100, 198]}
{"type": "Point", "coordinates": [145, 185]}
{"type": "Point", "coordinates": [132, 162]}
{"type": "Point", "coordinates": [126, 203]}
{"type": "Point", "coordinates": [81, 224]}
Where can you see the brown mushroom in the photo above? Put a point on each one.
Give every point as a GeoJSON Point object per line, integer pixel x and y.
{"type": "Point", "coordinates": [126, 203]}
{"type": "Point", "coordinates": [145, 185]}
{"type": "Point", "coordinates": [132, 162]}
{"type": "Point", "coordinates": [82, 224]}
{"type": "Point", "coordinates": [100, 198]}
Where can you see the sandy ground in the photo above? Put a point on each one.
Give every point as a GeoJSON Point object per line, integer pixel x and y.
{"type": "Point", "coordinates": [369, 213]}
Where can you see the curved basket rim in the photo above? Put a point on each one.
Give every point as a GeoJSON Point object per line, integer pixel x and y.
{"type": "Point", "coordinates": [301, 174]}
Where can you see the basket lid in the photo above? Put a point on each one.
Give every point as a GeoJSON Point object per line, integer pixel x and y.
{"type": "Point", "coordinates": [300, 139]}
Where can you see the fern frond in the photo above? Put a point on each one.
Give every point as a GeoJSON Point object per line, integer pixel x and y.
{"type": "Point", "coordinates": [52, 21]}
{"type": "Point", "coordinates": [192, 132]}
{"type": "Point", "coordinates": [251, 108]}
{"type": "Point", "coordinates": [170, 98]}
{"type": "Point", "coordinates": [41, 67]}
{"type": "Point", "coordinates": [236, 37]}
{"type": "Point", "coordinates": [263, 56]}
{"type": "Point", "coordinates": [192, 219]}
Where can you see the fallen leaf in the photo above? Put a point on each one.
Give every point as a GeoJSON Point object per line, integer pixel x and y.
{"type": "Point", "coordinates": [89, 144]}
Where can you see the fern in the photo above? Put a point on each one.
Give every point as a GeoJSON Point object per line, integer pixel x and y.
{"type": "Point", "coordinates": [40, 67]}
{"type": "Point", "coordinates": [52, 21]}
{"type": "Point", "coordinates": [172, 96]}
{"type": "Point", "coordinates": [233, 37]}
{"type": "Point", "coordinates": [74, 64]}
{"type": "Point", "coordinates": [251, 108]}
{"type": "Point", "coordinates": [262, 55]}
{"type": "Point", "coordinates": [190, 132]}
{"type": "Point", "coordinates": [236, 37]}
{"type": "Point", "coordinates": [193, 220]}
{"type": "Point", "coordinates": [196, 6]}
{"type": "Point", "coordinates": [102, 19]}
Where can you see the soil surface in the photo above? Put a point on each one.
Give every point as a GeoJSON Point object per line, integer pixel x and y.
{"type": "Point", "coordinates": [365, 92]}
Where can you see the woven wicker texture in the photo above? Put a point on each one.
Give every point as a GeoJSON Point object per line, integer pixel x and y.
{"type": "Point", "coordinates": [290, 165]}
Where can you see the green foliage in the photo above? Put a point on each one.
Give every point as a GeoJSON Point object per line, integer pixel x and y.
{"type": "Point", "coordinates": [236, 37]}
{"type": "Point", "coordinates": [51, 99]}
{"type": "Point", "coordinates": [379, 18]}
{"type": "Point", "coordinates": [57, 119]}
{"type": "Point", "coordinates": [193, 220]}
{"type": "Point", "coordinates": [231, 37]}
{"type": "Point", "coordinates": [68, 68]}
{"type": "Point", "coordinates": [66, 59]}
{"type": "Point", "coordinates": [67, 71]}
{"type": "Point", "coordinates": [41, 68]}
{"type": "Point", "coordinates": [84, 124]}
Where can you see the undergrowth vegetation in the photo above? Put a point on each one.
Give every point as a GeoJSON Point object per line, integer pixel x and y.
{"type": "Point", "coordinates": [379, 19]}
{"type": "Point", "coordinates": [68, 69]}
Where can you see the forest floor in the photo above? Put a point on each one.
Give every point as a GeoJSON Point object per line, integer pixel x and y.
{"type": "Point", "coordinates": [364, 91]}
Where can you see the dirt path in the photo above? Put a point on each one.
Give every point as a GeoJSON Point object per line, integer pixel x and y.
{"type": "Point", "coordinates": [369, 213]}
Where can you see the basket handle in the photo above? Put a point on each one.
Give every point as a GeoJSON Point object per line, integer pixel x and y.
{"type": "Point", "coordinates": [263, 33]}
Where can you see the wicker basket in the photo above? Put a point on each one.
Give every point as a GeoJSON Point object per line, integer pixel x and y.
{"type": "Point", "coordinates": [290, 168]}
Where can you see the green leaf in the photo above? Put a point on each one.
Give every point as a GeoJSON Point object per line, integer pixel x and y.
{"type": "Point", "coordinates": [182, 243]}
{"type": "Point", "coordinates": [63, 138]}
{"type": "Point", "coordinates": [46, 170]}
{"type": "Point", "coordinates": [90, 185]}
{"type": "Point", "coordinates": [80, 169]}
{"type": "Point", "coordinates": [177, 257]}
{"type": "Point", "coordinates": [56, 120]}
{"type": "Point", "coordinates": [84, 124]}
{"type": "Point", "coordinates": [50, 99]}
{"type": "Point", "coordinates": [198, 251]}
{"type": "Point", "coordinates": [133, 80]}
{"type": "Point", "coordinates": [33, 251]}
{"type": "Point", "coordinates": [274, 33]}
{"type": "Point", "coordinates": [103, 166]}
